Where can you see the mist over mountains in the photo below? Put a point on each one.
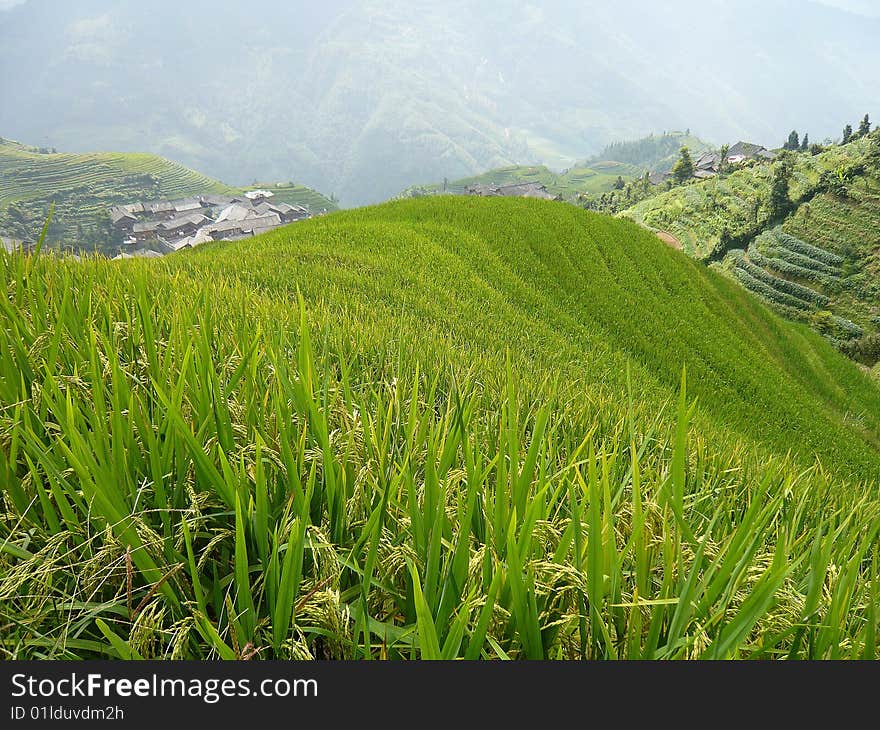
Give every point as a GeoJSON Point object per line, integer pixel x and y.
{"type": "Point", "coordinates": [362, 98]}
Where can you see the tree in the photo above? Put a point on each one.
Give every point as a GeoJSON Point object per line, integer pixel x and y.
{"type": "Point", "coordinates": [793, 141]}
{"type": "Point", "coordinates": [805, 143]}
{"type": "Point", "coordinates": [847, 134]}
{"type": "Point", "coordinates": [684, 167]}
{"type": "Point", "coordinates": [722, 157]}
{"type": "Point", "coordinates": [865, 126]}
{"type": "Point", "coordinates": [619, 184]}
{"type": "Point", "coordinates": [780, 203]}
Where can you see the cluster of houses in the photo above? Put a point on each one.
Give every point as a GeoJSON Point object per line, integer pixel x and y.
{"type": "Point", "coordinates": [158, 228]}
{"type": "Point", "coordinates": [709, 164]}
{"type": "Point", "coordinates": [517, 190]}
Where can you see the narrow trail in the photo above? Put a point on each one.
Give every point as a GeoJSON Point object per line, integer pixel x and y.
{"type": "Point", "coordinates": [670, 240]}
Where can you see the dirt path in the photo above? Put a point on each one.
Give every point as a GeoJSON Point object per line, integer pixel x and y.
{"type": "Point", "coordinates": [670, 240]}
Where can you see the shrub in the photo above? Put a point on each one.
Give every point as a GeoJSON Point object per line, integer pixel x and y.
{"type": "Point", "coordinates": [795, 244]}
{"type": "Point", "coordinates": [783, 285]}
{"type": "Point", "coordinates": [785, 268]}
{"type": "Point", "coordinates": [768, 292]}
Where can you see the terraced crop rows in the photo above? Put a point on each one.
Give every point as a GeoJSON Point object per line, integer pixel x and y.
{"type": "Point", "coordinates": [785, 271]}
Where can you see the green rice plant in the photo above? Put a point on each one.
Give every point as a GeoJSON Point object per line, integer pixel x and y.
{"type": "Point", "coordinates": [434, 429]}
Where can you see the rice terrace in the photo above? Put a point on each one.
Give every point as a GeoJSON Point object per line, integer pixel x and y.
{"type": "Point", "coordinates": [446, 435]}
{"type": "Point", "coordinates": [609, 394]}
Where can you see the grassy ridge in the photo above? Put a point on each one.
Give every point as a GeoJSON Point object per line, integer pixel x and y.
{"type": "Point", "coordinates": [470, 439]}
{"type": "Point", "coordinates": [84, 187]}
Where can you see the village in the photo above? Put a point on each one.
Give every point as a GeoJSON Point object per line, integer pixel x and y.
{"type": "Point", "coordinates": [158, 228]}
{"type": "Point", "coordinates": [515, 190]}
{"type": "Point", "coordinates": [710, 163]}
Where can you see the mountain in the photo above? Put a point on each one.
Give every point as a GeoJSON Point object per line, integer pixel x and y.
{"type": "Point", "coordinates": [483, 416]}
{"type": "Point", "coordinates": [84, 187]}
{"type": "Point", "coordinates": [363, 98]}
{"type": "Point", "coordinates": [655, 153]}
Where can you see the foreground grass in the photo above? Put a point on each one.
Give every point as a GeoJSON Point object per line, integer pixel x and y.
{"type": "Point", "coordinates": [471, 437]}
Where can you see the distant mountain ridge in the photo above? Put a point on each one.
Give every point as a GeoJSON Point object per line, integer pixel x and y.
{"type": "Point", "coordinates": [363, 98]}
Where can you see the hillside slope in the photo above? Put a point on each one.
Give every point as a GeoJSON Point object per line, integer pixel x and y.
{"type": "Point", "coordinates": [85, 186]}
{"type": "Point", "coordinates": [817, 261]}
{"type": "Point", "coordinates": [737, 206]}
{"type": "Point", "coordinates": [471, 431]}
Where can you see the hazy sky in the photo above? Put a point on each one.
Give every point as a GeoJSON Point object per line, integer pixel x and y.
{"type": "Point", "coordinates": [362, 98]}
{"type": "Point", "coordinates": [862, 7]}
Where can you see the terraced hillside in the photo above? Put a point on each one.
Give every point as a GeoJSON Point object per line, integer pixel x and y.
{"type": "Point", "coordinates": [593, 179]}
{"type": "Point", "coordinates": [437, 428]}
{"type": "Point", "coordinates": [84, 187]}
{"type": "Point", "coordinates": [705, 216]}
{"type": "Point", "coordinates": [294, 194]}
{"type": "Point", "coordinates": [848, 224]}
{"type": "Point", "coordinates": [816, 262]}
{"type": "Point", "coordinates": [821, 266]}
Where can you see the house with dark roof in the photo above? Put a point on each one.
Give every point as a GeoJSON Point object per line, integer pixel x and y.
{"type": "Point", "coordinates": [658, 178]}
{"type": "Point", "coordinates": [146, 230]}
{"type": "Point", "coordinates": [187, 205]}
{"type": "Point", "coordinates": [526, 190]}
{"type": "Point", "coordinates": [122, 219]}
{"type": "Point", "coordinates": [708, 162]}
{"type": "Point", "coordinates": [513, 190]}
{"type": "Point", "coordinates": [482, 190]}
{"type": "Point", "coordinates": [182, 226]}
{"type": "Point", "coordinates": [290, 213]}
{"type": "Point", "coordinates": [742, 151]}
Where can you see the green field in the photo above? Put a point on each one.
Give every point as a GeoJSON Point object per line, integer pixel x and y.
{"type": "Point", "coordinates": [436, 428]}
{"type": "Point", "coordinates": [85, 186]}
{"type": "Point", "coordinates": [593, 179]}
